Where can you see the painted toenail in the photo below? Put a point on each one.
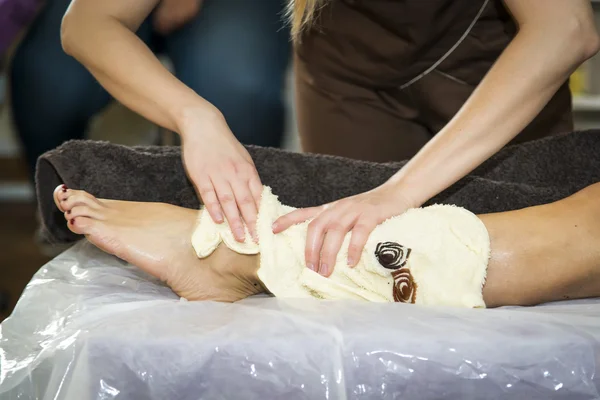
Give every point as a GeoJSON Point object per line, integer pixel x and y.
{"type": "Point", "coordinates": [64, 188]}
{"type": "Point", "coordinates": [72, 222]}
{"type": "Point", "coordinates": [69, 212]}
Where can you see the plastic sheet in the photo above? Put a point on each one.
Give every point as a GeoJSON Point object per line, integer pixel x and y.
{"type": "Point", "coordinates": [92, 327]}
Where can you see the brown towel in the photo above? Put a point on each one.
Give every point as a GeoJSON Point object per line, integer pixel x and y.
{"type": "Point", "coordinates": [520, 176]}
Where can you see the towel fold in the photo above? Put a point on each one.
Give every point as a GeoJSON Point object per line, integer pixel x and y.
{"type": "Point", "coordinates": [519, 176]}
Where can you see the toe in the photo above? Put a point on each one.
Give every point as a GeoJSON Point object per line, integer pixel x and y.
{"type": "Point", "coordinates": [83, 211]}
{"type": "Point", "coordinates": [76, 198]}
{"type": "Point", "coordinates": [60, 194]}
{"type": "Point", "coordinates": [81, 225]}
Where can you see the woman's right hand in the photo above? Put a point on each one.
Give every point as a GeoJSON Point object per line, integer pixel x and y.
{"type": "Point", "coordinates": [222, 172]}
{"type": "Point", "coordinates": [100, 34]}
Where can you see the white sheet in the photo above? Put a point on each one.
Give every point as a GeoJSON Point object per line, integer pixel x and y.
{"type": "Point", "coordinates": [91, 327]}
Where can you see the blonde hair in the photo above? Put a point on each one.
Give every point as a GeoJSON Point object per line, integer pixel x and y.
{"type": "Point", "coordinates": [301, 14]}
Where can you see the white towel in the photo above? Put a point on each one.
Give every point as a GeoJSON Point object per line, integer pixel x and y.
{"type": "Point", "coordinates": [436, 255]}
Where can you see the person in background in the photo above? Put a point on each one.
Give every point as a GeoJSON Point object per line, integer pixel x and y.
{"type": "Point", "coordinates": [234, 53]}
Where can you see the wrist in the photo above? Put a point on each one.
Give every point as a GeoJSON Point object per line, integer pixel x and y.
{"type": "Point", "coordinates": [405, 192]}
{"type": "Point", "coordinates": [197, 119]}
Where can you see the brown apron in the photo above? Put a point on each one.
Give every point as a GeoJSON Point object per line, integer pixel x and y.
{"type": "Point", "coordinates": [376, 79]}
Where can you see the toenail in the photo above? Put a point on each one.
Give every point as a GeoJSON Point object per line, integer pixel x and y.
{"type": "Point", "coordinates": [69, 212]}
{"type": "Point", "coordinates": [64, 188]}
{"type": "Point", "coordinates": [72, 222]}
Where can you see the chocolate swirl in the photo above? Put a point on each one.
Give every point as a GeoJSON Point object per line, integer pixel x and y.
{"type": "Point", "coordinates": [391, 255]}
{"type": "Point", "coordinates": [405, 288]}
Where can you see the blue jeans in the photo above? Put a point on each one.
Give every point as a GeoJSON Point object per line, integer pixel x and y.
{"type": "Point", "coordinates": [234, 54]}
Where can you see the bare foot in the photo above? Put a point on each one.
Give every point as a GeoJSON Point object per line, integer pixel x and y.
{"type": "Point", "coordinates": [155, 237]}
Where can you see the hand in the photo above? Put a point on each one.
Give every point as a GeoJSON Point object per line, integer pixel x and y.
{"type": "Point", "coordinates": [171, 15]}
{"type": "Point", "coordinates": [222, 172]}
{"type": "Point", "coordinates": [359, 214]}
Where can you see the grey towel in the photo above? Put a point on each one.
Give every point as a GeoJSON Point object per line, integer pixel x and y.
{"type": "Point", "coordinates": [519, 176]}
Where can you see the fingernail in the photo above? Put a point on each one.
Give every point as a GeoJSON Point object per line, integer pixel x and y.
{"type": "Point", "coordinates": [274, 226]}
{"type": "Point", "coordinates": [310, 266]}
{"type": "Point", "coordinates": [219, 218]}
{"type": "Point", "coordinates": [324, 270]}
{"type": "Point", "coordinates": [350, 262]}
{"type": "Point", "coordinates": [239, 233]}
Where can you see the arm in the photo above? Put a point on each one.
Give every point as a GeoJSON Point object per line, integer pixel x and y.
{"type": "Point", "coordinates": [554, 38]}
{"type": "Point", "coordinates": [100, 34]}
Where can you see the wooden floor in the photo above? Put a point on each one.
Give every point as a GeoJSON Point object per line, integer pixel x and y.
{"type": "Point", "coordinates": [20, 257]}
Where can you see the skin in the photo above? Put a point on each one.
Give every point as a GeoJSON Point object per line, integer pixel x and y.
{"type": "Point", "coordinates": [100, 35]}
{"type": "Point", "coordinates": [539, 254]}
{"type": "Point", "coordinates": [160, 245]}
{"type": "Point", "coordinates": [503, 104]}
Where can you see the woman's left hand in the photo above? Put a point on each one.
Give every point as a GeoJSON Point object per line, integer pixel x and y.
{"type": "Point", "coordinates": [359, 214]}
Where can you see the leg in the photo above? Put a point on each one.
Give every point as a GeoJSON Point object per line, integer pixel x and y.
{"type": "Point", "coordinates": [235, 54]}
{"type": "Point", "coordinates": [539, 254]}
{"type": "Point", "coordinates": [545, 253]}
{"type": "Point", "coordinates": [156, 238]}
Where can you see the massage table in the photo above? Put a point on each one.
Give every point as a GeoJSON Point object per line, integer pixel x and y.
{"type": "Point", "coordinates": [89, 326]}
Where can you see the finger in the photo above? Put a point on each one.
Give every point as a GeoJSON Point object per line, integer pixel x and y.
{"type": "Point", "coordinates": [341, 222]}
{"type": "Point", "coordinates": [315, 236]}
{"type": "Point", "coordinates": [245, 203]}
{"type": "Point", "coordinates": [256, 187]}
{"type": "Point", "coordinates": [358, 240]}
{"type": "Point", "coordinates": [331, 247]}
{"type": "Point", "coordinates": [227, 199]}
{"type": "Point", "coordinates": [210, 199]}
{"type": "Point", "coordinates": [295, 217]}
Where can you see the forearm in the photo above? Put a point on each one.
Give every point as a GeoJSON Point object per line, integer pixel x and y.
{"type": "Point", "coordinates": [518, 86]}
{"type": "Point", "coordinates": [125, 66]}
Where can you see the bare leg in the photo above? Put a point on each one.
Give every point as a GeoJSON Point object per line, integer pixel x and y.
{"type": "Point", "coordinates": [539, 254]}
{"type": "Point", "coordinates": [545, 253]}
{"type": "Point", "coordinates": [155, 237]}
